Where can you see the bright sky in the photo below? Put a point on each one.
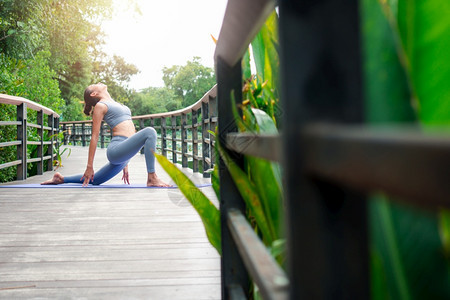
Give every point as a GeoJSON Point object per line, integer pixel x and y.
{"type": "Point", "coordinates": [169, 32]}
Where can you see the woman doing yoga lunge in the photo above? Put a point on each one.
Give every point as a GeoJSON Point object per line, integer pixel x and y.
{"type": "Point", "coordinates": [125, 143]}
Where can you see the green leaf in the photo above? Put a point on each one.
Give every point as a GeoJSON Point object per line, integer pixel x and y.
{"type": "Point", "coordinates": [266, 176]}
{"type": "Point", "coordinates": [444, 230]}
{"type": "Point", "coordinates": [259, 54]}
{"type": "Point", "coordinates": [246, 69]}
{"type": "Point", "coordinates": [385, 236]}
{"type": "Point", "coordinates": [387, 95]}
{"type": "Point", "coordinates": [424, 30]}
{"type": "Point", "coordinates": [278, 247]}
{"type": "Point", "coordinates": [407, 257]}
{"type": "Point", "coordinates": [215, 181]}
{"type": "Point", "coordinates": [248, 192]}
{"type": "Point", "coordinates": [209, 214]}
{"type": "Point", "coordinates": [272, 64]}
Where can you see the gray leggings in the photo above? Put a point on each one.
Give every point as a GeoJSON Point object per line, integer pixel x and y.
{"type": "Point", "coordinates": [120, 150]}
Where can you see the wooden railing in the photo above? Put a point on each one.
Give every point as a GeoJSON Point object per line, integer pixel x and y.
{"type": "Point", "coordinates": [22, 138]}
{"type": "Point", "coordinates": [330, 160]}
{"type": "Point", "coordinates": [183, 133]}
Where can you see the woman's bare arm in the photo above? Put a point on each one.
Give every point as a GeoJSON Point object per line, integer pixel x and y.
{"type": "Point", "coordinates": [97, 118]}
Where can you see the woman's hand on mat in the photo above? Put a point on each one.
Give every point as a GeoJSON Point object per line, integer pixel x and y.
{"type": "Point", "coordinates": [88, 176]}
{"type": "Point", "coordinates": [125, 177]}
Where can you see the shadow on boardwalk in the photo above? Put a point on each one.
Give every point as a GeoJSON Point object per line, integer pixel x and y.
{"type": "Point", "coordinates": [104, 243]}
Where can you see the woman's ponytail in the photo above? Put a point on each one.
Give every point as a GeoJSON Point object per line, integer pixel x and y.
{"type": "Point", "coordinates": [87, 109]}
{"type": "Point", "coordinates": [89, 101]}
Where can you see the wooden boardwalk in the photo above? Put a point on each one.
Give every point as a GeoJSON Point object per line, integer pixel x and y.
{"type": "Point", "coordinates": [104, 243]}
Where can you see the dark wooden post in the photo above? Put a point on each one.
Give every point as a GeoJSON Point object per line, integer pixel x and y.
{"type": "Point", "coordinates": [194, 141]}
{"type": "Point", "coordinates": [229, 79]}
{"type": "Point", "coordinates": [184, 145]}
{"type": "Point", "coordinates": [65, 134]}
{"type": "Point", "coordinates": [212, 125]}
{"type": "Point", "coordinates": [40, 147]}
{"type": "Point", "coordinates": [321, 82]}
{"type": "Point", "coordinates": [163, 137]}
{"type": "Point", "coordinates": [102, 136]}
{"type": "Point", "coordinates": [83, 134]}
{"type": "Point", "coordinates": [74, 134]}
{"type": "Point", "coordinates": [51, 124]}
{"type": "Point", "coordinates": [22, 137]}
{"type": "Point", "coordinates": [205, 134]}
{"type": "Point", "coordinates": [173, 124]}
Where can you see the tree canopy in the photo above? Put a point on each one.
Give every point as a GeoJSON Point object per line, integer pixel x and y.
{"type": "Point", "coordinates": [189, 82]}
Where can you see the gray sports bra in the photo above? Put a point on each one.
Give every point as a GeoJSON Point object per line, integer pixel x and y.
{"type": "Point", "coordinates": [116, 113]}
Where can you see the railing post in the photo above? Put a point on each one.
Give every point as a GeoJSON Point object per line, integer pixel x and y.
{"type": "Point", "coordinates": [74, 134]}
{"type": "Point", "coordinates": [194, 141]}
{"type": "Point", "coordinates": [22, 137]}
{"type": "Point", "coordinates": [173, 122]}
{"type": "Point", "coordinates": [163, 137]}
{"type": "Point", "coordinates": [83, 134]}
{"type": "Point", "coordinates": [326, 223]}
{"type": "Point", "coordinates": [184, 145]}
{"type": "Point", "coordinates": [229, 80]}
{"type": "Point", "coordinates": [65, 133]}
{"type": "Point", "coordinates": [40, 148]}
{"type": "Point", "coordinates": [102, 136]}
{"type": "Point", "coordinates": [205, 146]}
{"type": "Point", "coordinates": [212, 125]}
{"type": "Point", "coordinates": [51, 124]}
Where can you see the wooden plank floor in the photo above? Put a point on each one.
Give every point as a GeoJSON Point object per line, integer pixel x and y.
{"type": "Point", "coordinates": [104, 243]}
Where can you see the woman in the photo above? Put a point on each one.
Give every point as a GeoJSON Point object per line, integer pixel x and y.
{"type": "Point", "coordinates": [124, 144]}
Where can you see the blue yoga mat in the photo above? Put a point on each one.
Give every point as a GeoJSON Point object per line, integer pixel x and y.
{"type": "Point", "coordinates": [102, 186]}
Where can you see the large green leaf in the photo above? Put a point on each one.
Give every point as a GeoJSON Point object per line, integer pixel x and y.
{"type": "Point", "coordinates": [387, 96]}
{"type": "Point", "coordinates": [263, 174]}
{"type": "Point", "coordinates": [265, 52]}
{"type": "Point", "coordinates": [249, 194]}
{"type": "Point", "coordinates": [424, 31]}
{"type": "Point", "coordinates": [209, 214]}
{"type": "Point", "coordinates": [246, 69]}
{"type": "Point", "coordinates": [267, 177]}
{"type": "Point", "coordinates": [444, 230]}
{"type": "Point", "coordinates": [407, 257]}
{"type": "Point", "coordinates": [383, 233]}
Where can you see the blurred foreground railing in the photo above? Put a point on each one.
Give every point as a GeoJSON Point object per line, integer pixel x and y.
{"type": "Point", "coordinates": [331, 162]}
{"type": "Point", "coordinates": [44, 134]}
{"type": "Point", "coordinates": [183, 133]}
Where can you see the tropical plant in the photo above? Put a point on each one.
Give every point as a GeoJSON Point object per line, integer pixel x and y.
{"type": "Point", "coordinates": [406, 69]}
{"type": "Point", "coordinates": [57, 149]}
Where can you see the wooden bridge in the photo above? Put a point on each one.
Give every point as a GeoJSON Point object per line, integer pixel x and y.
{"type": "Point", "coordinates": [104, 243]}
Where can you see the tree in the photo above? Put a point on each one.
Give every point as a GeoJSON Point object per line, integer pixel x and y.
{"type": "Point", "coordinates": [153, 100]}
{"type": "Point", "coordinates": [115, 72]}
{"type": "Point", "coordinates": [189, 82]}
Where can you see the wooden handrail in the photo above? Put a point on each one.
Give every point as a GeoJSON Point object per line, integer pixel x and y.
{"type": "Point", "coordinates": [22, 125]}
{"type": "Point", "coordinates": [417, 160]}
{"type": "Point", "coordinates": [15, 100]}
{"type": "Point", "coordinates": [212, 93]}
{"type": "Point", "coordinates": [241, 23]}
